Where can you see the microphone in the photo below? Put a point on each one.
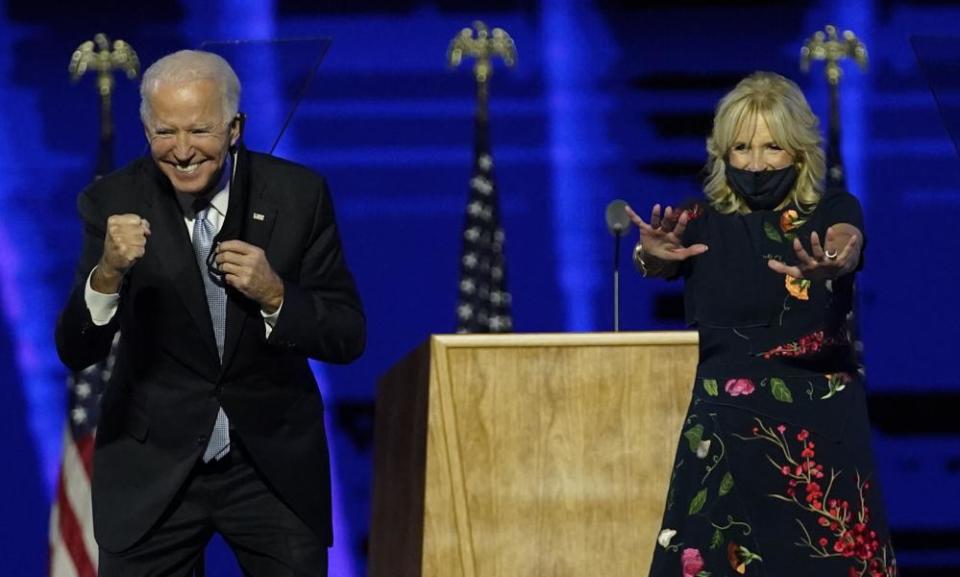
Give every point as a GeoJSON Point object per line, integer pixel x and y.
{"type": "Point", "coordinates": [617, 223]}
{"type": "Point", "coordinates": [617, 219]}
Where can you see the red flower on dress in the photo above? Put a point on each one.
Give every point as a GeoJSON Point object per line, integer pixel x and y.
{"type": "Point", "coordinates": [737, 387]}
{"type": "Point", "coordinates": [691, 562]}
{"type": "Point", "coordinates": [844, 526]}
{"type": "Point", "coordinates": [805, 346]}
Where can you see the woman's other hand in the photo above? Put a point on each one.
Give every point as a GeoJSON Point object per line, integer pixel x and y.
{"type": "Point", "coordinates": [839, 255]}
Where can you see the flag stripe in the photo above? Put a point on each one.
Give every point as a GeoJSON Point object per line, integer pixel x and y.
{"type": "Point", "coordinates": [61, 564]}
{"type": "Point", "coordinates": [73, 548]}
{"type": "Point", "coordinates": [77, 489]}
{"type": "Point", "coordinates": [71, 532]}
{"type": "Point", "coordinates": [84, 448]}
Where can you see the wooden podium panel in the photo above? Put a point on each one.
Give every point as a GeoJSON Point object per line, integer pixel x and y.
{"type": "Point", "coordinates": [537, 454]}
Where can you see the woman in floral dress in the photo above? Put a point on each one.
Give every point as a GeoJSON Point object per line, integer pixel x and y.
{"type": "Point", "coordinates": [774, 474]}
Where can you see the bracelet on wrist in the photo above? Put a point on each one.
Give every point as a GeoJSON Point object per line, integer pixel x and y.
{"type": "Point", "coordinates": [638, 261]}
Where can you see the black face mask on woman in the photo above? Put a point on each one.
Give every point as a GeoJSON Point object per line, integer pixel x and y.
{"type": "Point", "coordinates": [762, 190]}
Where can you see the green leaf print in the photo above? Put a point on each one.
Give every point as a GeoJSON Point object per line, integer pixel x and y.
{"type": "Point", "coordinates": [772, 232]}
{"type": "Point", "coordinates": [780, 390]}
{"type": "Point", "coordinates": [726, 484]}
{"type": "Point", "coordinates": [698, 502]}
{"type": "Point", "coordinates": [694, 435]}
{"type": "Point", "coordinates": [710, 385]}
{"type": "Point", "coordinates": [717, 539]}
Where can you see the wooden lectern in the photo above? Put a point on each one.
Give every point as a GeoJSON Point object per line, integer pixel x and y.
{"type": "Point", "coordinates": [527, 455]}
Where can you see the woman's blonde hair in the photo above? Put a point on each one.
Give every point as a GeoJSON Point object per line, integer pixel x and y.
{"type": "Point", "coordinates": [792, 125]}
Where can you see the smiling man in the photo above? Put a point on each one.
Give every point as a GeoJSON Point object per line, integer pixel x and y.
{"type": "Point", "coordinates": [190, 131]}
{"type": "Point", "coordinates": [223, 272]}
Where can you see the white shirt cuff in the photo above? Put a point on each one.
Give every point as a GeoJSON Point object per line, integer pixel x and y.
{"type": "Point", "coordinates": [270, 320]}
{"type": "Point", "coordinates": [102, 306]}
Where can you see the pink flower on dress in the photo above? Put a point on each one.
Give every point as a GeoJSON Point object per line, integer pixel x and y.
{"type": "Point", "coordinates": [691, 562]}
{"type": "Point", "coordinates": [737, 387]}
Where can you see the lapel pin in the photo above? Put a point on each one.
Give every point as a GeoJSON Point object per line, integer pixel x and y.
{"type": "Point", "coordinates": [257, 216]}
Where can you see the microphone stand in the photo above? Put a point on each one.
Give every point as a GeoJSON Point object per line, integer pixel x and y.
{"type": "Point", "coordinates": [616, 280]}
{"type": "Point", "coordinates": [617, 223]}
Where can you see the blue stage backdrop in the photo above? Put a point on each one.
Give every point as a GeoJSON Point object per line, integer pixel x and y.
{"type": "Point", "coordinates": [607, 101]}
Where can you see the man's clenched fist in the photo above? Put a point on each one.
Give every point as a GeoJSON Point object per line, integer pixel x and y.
{"type": "Point", "coordinates": [124, 244]}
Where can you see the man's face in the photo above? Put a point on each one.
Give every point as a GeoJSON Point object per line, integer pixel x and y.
{"type": "Point", "coordinates": [189, 138]}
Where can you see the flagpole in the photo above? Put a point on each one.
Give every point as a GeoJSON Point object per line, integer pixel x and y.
{"type": "Point", "coordinates": [97, 56]}
{"type": "Point", "coordinates": [616, 282]}
{"type": "Point", "coordinates": [483, 45]}
{"type": "Point", "coordinates": [826, 45]}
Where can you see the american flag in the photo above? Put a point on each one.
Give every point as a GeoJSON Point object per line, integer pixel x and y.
{"type": "Point", "coordinates": [73, 550]}
{"type": "Point", "coordinates": [484, 303]}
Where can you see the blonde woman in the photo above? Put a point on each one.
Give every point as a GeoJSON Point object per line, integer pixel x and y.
{"type": "Point", "coordinates": [774, 473]}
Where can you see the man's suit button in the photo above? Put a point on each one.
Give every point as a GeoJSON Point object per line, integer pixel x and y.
{"type": "Point", "coordinates": [201, 441]}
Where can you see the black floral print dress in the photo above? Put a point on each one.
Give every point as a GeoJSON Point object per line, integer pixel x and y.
{"type": "Point", "coordinates": [774, 473]}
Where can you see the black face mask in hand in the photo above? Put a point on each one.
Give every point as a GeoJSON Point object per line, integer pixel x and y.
{"type": "Point", "coordinates": [762, 190]}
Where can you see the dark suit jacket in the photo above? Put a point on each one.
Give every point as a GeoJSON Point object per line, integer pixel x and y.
{"type": "Point", "coordinates": [168, 381]}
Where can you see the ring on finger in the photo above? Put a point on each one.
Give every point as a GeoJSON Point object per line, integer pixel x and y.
{"type": "Point", "coordinates": [830, 255]}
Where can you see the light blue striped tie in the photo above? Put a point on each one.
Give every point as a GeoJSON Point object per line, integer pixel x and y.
{"type": "Point", "coordinates": [203, 234]}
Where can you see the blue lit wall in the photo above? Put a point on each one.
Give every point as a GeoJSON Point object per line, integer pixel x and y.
{"type": "Point", "coordinates": [606, 102]}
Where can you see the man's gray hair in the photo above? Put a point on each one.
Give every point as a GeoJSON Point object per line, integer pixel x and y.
{"type": "Point", "coordinates": [189, 66]}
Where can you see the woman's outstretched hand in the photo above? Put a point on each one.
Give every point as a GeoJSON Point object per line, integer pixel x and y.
{"type": "Point", "coordinates": [662, 237]}
{"type": "Point", "coordinates": [839, 255]}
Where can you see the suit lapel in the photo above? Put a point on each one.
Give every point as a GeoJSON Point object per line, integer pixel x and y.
{"type": "Point", "coordinates": [170, 243]}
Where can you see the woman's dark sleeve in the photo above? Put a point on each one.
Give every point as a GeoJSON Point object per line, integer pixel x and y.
{"type": "Point", "coordinates": [694, 234]}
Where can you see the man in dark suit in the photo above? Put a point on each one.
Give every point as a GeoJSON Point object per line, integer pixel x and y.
{"type": "Point", "coordinates": [223, 272]}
